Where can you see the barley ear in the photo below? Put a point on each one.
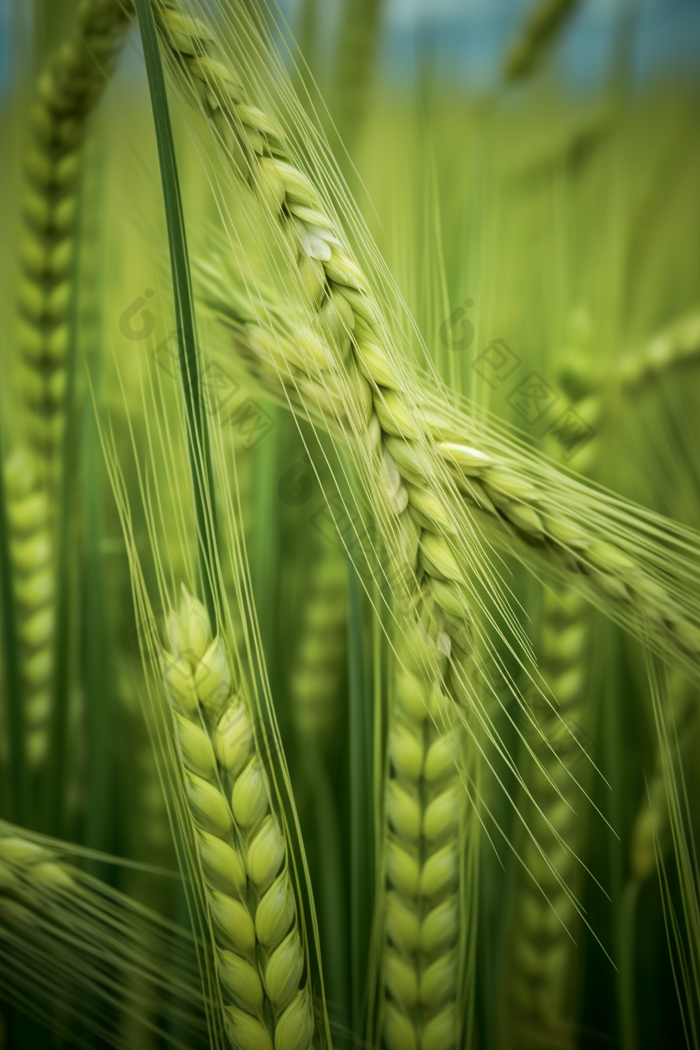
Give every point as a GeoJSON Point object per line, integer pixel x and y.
{"type": "Point", "coordinates": [540, 968]}
{"type": "Point", "coordinates": [67, 93]}
{"type": "Point", "coordinates": [31, 550]}
{"type": "Point", "coordinates": [315, 678]}
{"type": "Point", "coordinates": [253, 912]}
{"type": "Point", "coordinates": [401, 448]}
{"type": "Point", "coordinates": [425, 903]}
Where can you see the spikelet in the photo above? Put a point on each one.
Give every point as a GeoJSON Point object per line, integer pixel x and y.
{"type": "Point", "coordinates": [260, 952]}
{"type": "Point", "coordinates": [674, 346]}
{"type": "Point", "coordinates": [67, 93]}
{"type": "Point", "coordinates": [426, 807]}
{"type": "Point", "coordinates": [34, 586]}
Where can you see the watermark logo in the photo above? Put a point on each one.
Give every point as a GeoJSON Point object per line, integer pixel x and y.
{"type": "Point", "coordinates": [496, 363]}
{"type": "Point", "coordinates": [251, 422]}
{"type": "Point", "coordinates": [148, 323]}
{"type": "Point", "coordinates": [532, 398]}
{"type": "Point", "coordinates": [218, 387]}
{"type": "Point", "coordinates": [571, 432]}
{"type": "Point", "coordinates": [167, 355]}
{"type": "Point", "coordinates": [465, 337]}
{"type": "Point", "coordinates": [296, 485]}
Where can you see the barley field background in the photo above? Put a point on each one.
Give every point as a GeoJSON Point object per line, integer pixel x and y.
{"type": "Point", "coordinates": [349, 525]}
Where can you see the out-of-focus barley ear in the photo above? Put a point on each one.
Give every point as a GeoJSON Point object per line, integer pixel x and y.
{"type": "Point", "coordinates": [670, 349]}
{"type": "Point", "coordinates": [542, 966]}
{"type": "Point", "coordinates": [541, 963]}
{"type": "Point", "coordinates": [33, 566]}
{"type": "Point", "coordinates": [68, 90]}
{"type": "Point", "coordinates": [318, 661]}
{"type": "Point", "coordinates": [53, 916]}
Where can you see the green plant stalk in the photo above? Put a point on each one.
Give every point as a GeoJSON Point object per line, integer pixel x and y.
{"type": "Point", "coordinates": [198, 437]}
{"type": "Point", "coordinates": [543, 21]}
{"type": "Point", "coordinates": [96, 663]}
{"type": "Point", "coordinates": [316, 679]}
{"type": "Point", "coordinates": [360, 796]}
{"type": "Point", "coordinates": [331, 893]}
{"type": "Point", "coordinates": [16, 803]}
{"type": "Point", "coordinates": [355, 53]}
{"type": "Point", "coordinates": [611, 722]}
{"type": "Point", "coordinates": [628, 914]}
{"type": "Point", "coordinates": [267, 544]}
{"type": "Point", "coordinates": [99, 696]}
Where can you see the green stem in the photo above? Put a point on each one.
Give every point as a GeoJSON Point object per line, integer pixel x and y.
{"type": "Point", "coordinates": [266, 546]}
{"type": "Point", "coordinates": [331, 881]}
{"type": "Point", "coordinates": [197, 434]}
{"type": "Point", "coordinates": [627, 938]}
{"type": "Point", "coordinates": [614, 757]}
{"type": "Point", "coordinates": [96, 673]}
{"type": "Point", "coordinates": [360, 795]}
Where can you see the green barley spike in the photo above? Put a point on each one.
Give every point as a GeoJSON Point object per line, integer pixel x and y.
{"type": "Point", "coordinates": [425, 896]}
{"type": "Point", "coordinates": [318, 662]}
{"type": "Point", "coordinates": [67, 93]}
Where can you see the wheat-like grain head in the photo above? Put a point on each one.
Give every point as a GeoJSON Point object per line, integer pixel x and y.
{"type": "Point", "coordinates": [316, 672]}
{"type": "Point", "coordinates": [74, 947]}
{"type": "Point", "coordinates": [261, 962]}
{"type": "Point", "coordinates": [494, 483]}
{"type": "Point", "coordinates": [67, 93]}
{"type": "Point", "coordinates": [31, 550]}
{"type": "Point", "coordinates": [428, 470]}
{"type": "Point", "coordinates": [539, 968]}
{"type": "Point", "coordinates": [425, 904]}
